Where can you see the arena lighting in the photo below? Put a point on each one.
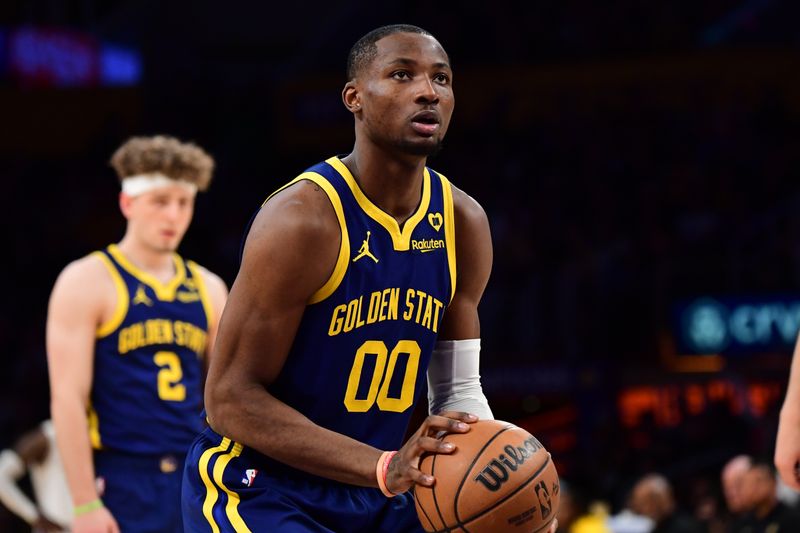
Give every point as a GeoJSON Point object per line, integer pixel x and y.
{"type": "Point", "coordinates": [45, 57]}
{"type": "Point", "coordinates": [732, 326]}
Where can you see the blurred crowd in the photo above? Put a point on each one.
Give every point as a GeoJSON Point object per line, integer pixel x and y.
{"type": "Point", "coordinates": [749, 498]}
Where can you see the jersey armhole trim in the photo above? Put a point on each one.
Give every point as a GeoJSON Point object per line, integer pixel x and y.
{"type": "Point", "coordinates": [200, 282]}
{"type": "Point", "coordinates": [449, 233]}
{"type": "Point", "coordinates": [121, 308]}
{"type": "Point", "coordinates": [342, 261]}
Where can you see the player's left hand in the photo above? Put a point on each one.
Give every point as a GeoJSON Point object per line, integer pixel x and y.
{"type": "Point", "coordinates": [404, 470]}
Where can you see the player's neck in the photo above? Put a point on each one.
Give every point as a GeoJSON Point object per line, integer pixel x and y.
{"type": "Point", "coordinates": [393, 184]}
{"type": "Point", "coordinates": [155, 262]}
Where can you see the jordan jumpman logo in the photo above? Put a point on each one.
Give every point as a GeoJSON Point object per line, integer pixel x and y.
{"type": "Point", "coordinates": [364, 251]}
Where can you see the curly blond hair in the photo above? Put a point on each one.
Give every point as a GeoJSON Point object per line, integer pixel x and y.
{"type": "Point", "coordinates": [167, 155]}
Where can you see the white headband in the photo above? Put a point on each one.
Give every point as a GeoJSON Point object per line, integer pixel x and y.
{"type": "Point", "coordinates": [142, 183]}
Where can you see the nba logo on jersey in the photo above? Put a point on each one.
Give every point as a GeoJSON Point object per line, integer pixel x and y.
{"type": "Point", "coordinates": [250, 476]}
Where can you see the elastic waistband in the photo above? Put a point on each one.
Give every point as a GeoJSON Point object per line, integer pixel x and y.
{"type": "Point", "coordinates": [167, 463]}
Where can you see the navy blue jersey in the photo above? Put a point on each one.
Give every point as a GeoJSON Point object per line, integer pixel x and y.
{"type": "Point", "coordinates": [147, 386]}
{"type": "Point", "coordinates": [359, 358]}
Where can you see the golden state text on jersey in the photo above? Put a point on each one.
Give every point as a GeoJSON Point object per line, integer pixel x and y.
{"type": "Point", "coordinates": [359, 358]}
{"type": "Point", "coordinates": [147, 385]}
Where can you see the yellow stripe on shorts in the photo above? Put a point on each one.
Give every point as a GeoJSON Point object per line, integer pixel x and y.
{"type": "Point", "coordinates": [231, 509]}
{"type": "Point", "coordinates": [211, 489]}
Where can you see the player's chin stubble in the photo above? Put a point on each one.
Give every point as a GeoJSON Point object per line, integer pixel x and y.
{"type": "Point", "coordinates": [426, 149]}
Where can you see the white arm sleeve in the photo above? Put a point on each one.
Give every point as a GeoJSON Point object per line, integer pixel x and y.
{"type": "Point", "coordinates": [11, 469]}
{"type": "Point", "coordinates": [454, 380]}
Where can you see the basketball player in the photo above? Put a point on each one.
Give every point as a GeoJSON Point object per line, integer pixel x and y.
{"type": "Point", "coordinates": [350, 274]}
{"type": "Point", "coordinates": [127, 331]}
{"type": "Point", "coordinates": [787, 445]}
{"type": "Point", "coordinates": [36, 453]}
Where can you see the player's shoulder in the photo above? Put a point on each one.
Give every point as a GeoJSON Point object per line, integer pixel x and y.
{"type": "Point", "coordinates": [212, 280]}
{"type": "Point", "coordinates": [86, 281]}
{"type": "Point", "coordinates": [302, 207]}
{"type": "Point", "coordinates": [87, 268]}
{"type": "Point", "coordinates": [467, 210]}
{"type": "Point", "coordinates": [300, 193]}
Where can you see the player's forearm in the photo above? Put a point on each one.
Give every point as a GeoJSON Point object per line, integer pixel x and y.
{"type": "Point", "coordinates": [72, 436]}
{"type": "Point", "coordinates": [258, 420]}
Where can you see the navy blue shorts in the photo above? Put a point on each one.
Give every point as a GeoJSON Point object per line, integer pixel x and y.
{"type": "Point", "coordinates": [230, 488]}
{"type": "Point", "coordinates": [143, 493]}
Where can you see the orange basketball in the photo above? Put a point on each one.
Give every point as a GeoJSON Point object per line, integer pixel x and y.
{"type": "Point", "coordinates": [499, 479]}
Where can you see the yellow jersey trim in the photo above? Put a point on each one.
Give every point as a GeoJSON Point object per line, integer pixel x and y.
{"type": "Point", "coordinates": [121, 309]}
{"type": "Point", "coordinates": [342, 261]}
{"type": "Point", "coordinates": [211, 489]}
{"type": "Point", "coordinates": [200, 282]}
{"type": "Point", "coordinates": [401, 239]}
{"type": "Point", "coordinates": [164, 291]}
{"type": "Point", "coordinates": [94, 429]}
{"type": "Point", "coordinates": [231, 508]}
{"type": "Point", "coordinates": [450, 232]}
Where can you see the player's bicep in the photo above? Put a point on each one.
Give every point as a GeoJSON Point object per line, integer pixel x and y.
{"type": "Point", "coordinates": [288, 255]}
{"type": "Point", "coordinates": [217, 294]}
{"type": "Point", "coordinates": [473, 267]}
{"type": "Point", "coordinates": [72, 319]}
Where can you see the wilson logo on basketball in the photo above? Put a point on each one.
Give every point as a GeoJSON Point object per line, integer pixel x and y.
{"type": "Point", "coordinates": [496, 472]}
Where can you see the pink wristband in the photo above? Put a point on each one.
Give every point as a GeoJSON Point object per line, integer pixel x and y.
{"type": "Point", "coordinates": [380, 472]}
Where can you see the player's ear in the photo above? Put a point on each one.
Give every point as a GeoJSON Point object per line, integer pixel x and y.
{"type": "Point", "coordinates": [125, 204]}
{"type": "Point", "coordinates": [351, 97]}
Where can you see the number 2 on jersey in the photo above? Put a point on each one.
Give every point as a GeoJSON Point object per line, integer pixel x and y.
{"type": "Point", "coordinates": [169, 386]}
{"type": "Point", "coordinates": [382, 377]}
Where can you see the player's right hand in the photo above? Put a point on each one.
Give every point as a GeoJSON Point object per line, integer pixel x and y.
{"type": "Point", "coordinates": [787, 449]}
{"type": "Point", "coordinates": [97, 521]}
{"type": "Point", "coordinates": [404, 470]}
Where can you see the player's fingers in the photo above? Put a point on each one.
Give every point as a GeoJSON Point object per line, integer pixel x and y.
{"type": "Point", "coordinates": [430, 444]}
{"type": "Point", "coordinates": [554, 526]}
{"type": "Point", "coordinates": [435, 423]}
{"type": "Point", "coordinates": [793, 475]}
{"type": "Point", "coordinates": [469, 418]}
{"type": "Point", "coordinates": [419, 478]}
{"type": "Point", "coordinates": [788, 471]}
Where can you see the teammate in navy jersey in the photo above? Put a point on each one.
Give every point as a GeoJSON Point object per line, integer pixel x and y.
{"type": "Point", "coordinates": [357, 278]}
{"type": "Point", "coordinates": [127, 331]}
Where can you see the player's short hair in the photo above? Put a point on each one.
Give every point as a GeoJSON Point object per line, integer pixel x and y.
{"type": "Point", "coordinates": [166, 155]}
{"type": "Point", "coordinates": [364, 51]}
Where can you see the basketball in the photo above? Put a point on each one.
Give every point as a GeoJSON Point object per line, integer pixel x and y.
{"type": "Point", "coordinates": [499, 479]}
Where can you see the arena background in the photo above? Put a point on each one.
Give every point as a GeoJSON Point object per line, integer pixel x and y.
{"type": "Point", "coordinates": [638, 162]}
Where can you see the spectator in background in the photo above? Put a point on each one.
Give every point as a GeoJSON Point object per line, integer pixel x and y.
{"type": "Point", "coordinates": [627, 521]}
{"type": "Point", "coordinates": [574, 515]}
{"type": "Point", "coordinates": [652, 497]}
{"type": "Point", "coordinates": [732, 479]}
{"type": "Point", "coordinates": [765, 513]}
{"type": "Point", "coordinates": [36, 453]}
